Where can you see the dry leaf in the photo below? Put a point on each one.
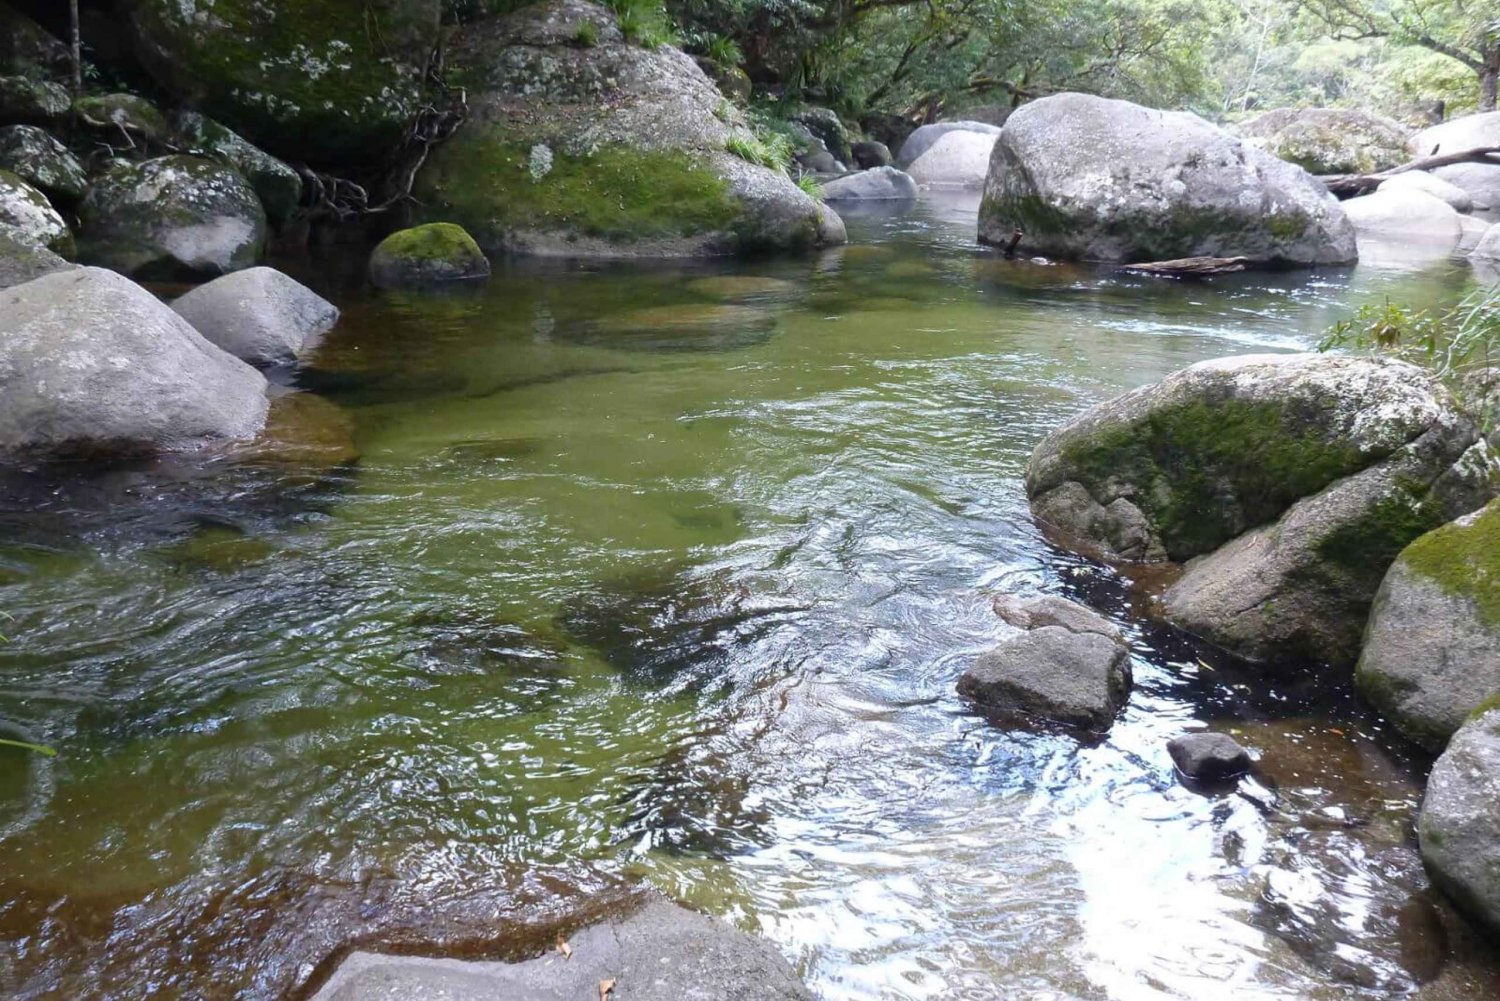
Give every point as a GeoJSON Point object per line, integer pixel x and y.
{"type": "Point", "coordinates": [564, 948]}
{"type": "Point", "coordinates": [605, 987]}
{"type": "Point", "coordinates": [1334, 729]}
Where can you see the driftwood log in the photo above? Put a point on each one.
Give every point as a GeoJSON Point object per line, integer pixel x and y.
{"type": "Point", "coordinates": [1191, 267]}
{"type": "Point", "coordinates": [1350, 185]}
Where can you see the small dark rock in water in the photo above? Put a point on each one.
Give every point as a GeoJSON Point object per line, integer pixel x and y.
{"type": "Point", "coordinates": [661, 953]}
{"type": "Point", "coordinates": [1209, 757]}
{"type": "Point", "coordinates": [1070, 666]}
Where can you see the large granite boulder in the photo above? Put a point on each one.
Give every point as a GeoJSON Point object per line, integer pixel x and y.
{"type": "Point", "coordinates": [423, 256]}
{"type": "Point", "coordinates": [172, 217]}
{"type": "Point", "coordinates": [1331, 140]}
{"type": "Point", "coordinates": [1404, 214]}
{"type": "Point", "coordinates": [1088, 178]}
{"type": "Point", "coordinates": [278, 186]}
{"type": "Point", "coordinates": [1480, 181]}
{"type": "Point", "coordinates": [259, 315]}
{"type": "Point", "coordinates": [92, 363]}
{"type": "Point", "coordinates": [603, 149]}
{"type": "Point", "coordinates": [27, 217]}
{"type": "Point", "coordinates": [1068, 666]}
{"type": "Point", "coordinates": [957, 160]}
{"type": "Point", "coordinates": [1421, 180]}
{"type": "Point", "coordinates": [923, 138]}
{"type": "Point", "coordinates": [660, 953]}
{"type": "Point", "coordinates": [1289, 483]}
{"type": "Point", "coordinates": [825, 124]}
{"type": "Point", "coordinates": [1432, 648]}
{"type": "Point", "coordinates": [875, 184]}
{"type": "Point", "coordinates": [23, 99]}
{"type": "Point", "coordinates": [321, 80]}
{"type": "Point", "coordinates": [1463, 133]}
{"type": "Point", "coordinates": [42, 161]}
{"type": "Point", "coordinates": [1459, 826]}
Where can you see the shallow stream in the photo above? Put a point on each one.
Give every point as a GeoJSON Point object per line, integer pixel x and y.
{"type": "Point", "coordinates": [662, 577]}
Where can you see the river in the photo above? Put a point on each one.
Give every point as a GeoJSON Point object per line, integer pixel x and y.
{"type": "Point", "coordinates": [663, 577]}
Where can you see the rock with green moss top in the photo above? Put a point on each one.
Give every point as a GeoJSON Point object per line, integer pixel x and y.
{"type": "Point", "coordinates": [120, 116]}
{"type": "Point", "coordinates": [1330, 140]}
{"type": "Point", "coordinates": [827, 126]}
{"type": "Point", "coordinates": [27, 217]}
{"type": "Point", "coordinates": [172, 217]}
{"type": "Point", "coordinates": [25, 100]}
{"type": "Point", "coordinates": [609, 149]}
{"type": "Point", "coordinates": [276, 183]}
{"type": "Point", "coordinates": [332, 81]}
{"type": "Point", "coordinates": [1089, 178]}
{"type": "Point", "coordinates": [427, 255]}
{"type": "Point", "coordinates": [21, 262]}
{"type": "Point", "coordinates": [41, 160]}
{"type": "Point", "coordinates": [1432, 647]}
{"type": "Point", "coordinates": [1289, 481]}
{"type": "Point", "coordinates": [1459, 826]}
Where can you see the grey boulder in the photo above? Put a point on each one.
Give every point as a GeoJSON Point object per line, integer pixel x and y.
{"type": "Point", "coordinates": [877, 183]}
{"type": "Point", "coordinates": [27, 217]}
{"type": "Point", "coordinates": [923, 138]}
{"type": "Point", "coordinates": [278, 186]}
{"type": "Point", "coordinates": [1208, 757]}
{"type": "Point", "coordinates": [40, 160]}
{"type": "Point", "coordinates": [1421, 180]}
{"type": "Point", "coordinates": [1089, 178]}
{"type": "Point", "coordinates": [869, 154]}
{"type": "Point", "coordinates": [1432, 648]}
{"type": "Point", "coordinates": [1068, 666]}
{"type": "Point", "coordinates": [1488, 248]}
{"type": "Point", "coordinates": [172, 217]}
{"type": "Point", "coordinates": [1331, 140]}
{"type": "Point", "coordinates": [660, 953]}
{"type": "Point", "coordinates": [1459, 826]}
{"type": "Point", "coordinates": [957, 160]}
{"type": "Point", "coordinates": [1405, 215]}
{"type": "Point", "coordinates": [825, 124]}
{"type": "Point", "coordinates": [1462, 133]}
{"type": "Point", "coordinates": [259, 315]}
{"type": "Point", "coordinates": [1480, 181]}
{"type": "Point", "coordinates": [92, 363]}
{"type": "Point", "coordinates": [25, 100]}
{"type": "Point", "coordinates": [21, 262]}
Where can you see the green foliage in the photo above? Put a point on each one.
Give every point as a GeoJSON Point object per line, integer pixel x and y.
{"type": "Point", "coordinates": [1464, 560]}
{"type": "Point", "coordinates": [810, 186]}
{"type": "Point", "coordinates": [766, 149]}
{"type": "Point", "coordinates": [586, 34]}
{"type": "Point", "coordinates": [644, 22]}
{"type": "Point", "coordinates": [25, 745]}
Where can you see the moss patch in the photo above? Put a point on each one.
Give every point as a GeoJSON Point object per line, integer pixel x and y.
{"type": "Point", "coordinates": [1231, 465]}
{"type": "Point", "coordinates": [1464, 560]}
{"type": "Point", "coordinates": [618, 193]}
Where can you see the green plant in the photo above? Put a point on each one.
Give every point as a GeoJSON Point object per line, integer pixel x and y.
{"type": "Point", "coordinates": [586, 35]}
{"type": "Point", "coordinates": [25, 745]}
{"type": "Point", "coordinates": [723, 50]}
{"type": "Point", "coordinates": [768, 149]}
{"type": "Point", "coordinates": [809, 184]}
{"type": "Point", "coordinates": [644, 22]}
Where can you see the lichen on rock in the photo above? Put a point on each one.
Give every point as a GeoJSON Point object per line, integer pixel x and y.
{"type": "Point", "coordinates": [27, 217]}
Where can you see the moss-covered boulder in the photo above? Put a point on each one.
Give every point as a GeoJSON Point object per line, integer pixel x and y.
{"type": "Point", "coordinates": [1459, 826]}
{"type": "Point", "coordinates": [1088, 178]}
{"type": "Point", "coordinates": [172, 217]}
{"type": "Point", "coordinates": [25, 100]}
{"type": "Point", "coordinates": [122, 116]}
{"type": "Point", "coordinates": [42, 161]}
{"type": "Point", "coordinates": [320, 80]}
{"type": "Point", "coordinates": [1432, 647]}
{"type": "Point", "coordinates": [1290, 483]}
{"type": "Point", "coordinates": [278, 186]}
{"type": "Point", "coordinates": [27, 217]}
{"type": "Point", "coordinates": [603, 149]}
{"type": "Point", "coordinates": [427, 255]}
{"type": "Point", "coordinates": [21, 262]}
{"type": "Point", "coordinates": [1330, 140]}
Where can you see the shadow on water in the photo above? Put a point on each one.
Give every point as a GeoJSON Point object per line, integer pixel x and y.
{"type": "Point", "coordinates": [663, 576]}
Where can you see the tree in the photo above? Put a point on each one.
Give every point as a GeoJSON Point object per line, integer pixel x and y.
{"type": "Point", "coordinates": [1463, 30]}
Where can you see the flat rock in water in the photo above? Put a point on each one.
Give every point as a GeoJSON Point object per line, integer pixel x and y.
{"type": "Point", "coordinates": [1069, 666]}
{"type": "Point", "coordinates": [661, 953]}
{"type": "Point", "coordinates": [1208, 757]}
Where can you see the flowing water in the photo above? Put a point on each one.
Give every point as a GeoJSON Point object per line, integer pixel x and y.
{"type": "Point", "coordinates": [662, 577]}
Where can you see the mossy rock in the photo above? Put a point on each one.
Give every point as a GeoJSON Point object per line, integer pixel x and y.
{"type": "Point", "coordinates": [433, 254]}
{"type": "Point", "coordinates": [172, 217]}
{"type": "Point", "coordinates": [28, 218]}
{"type": "Point", "coordinates": [331, 81]}
{"type": "Point", "coordinates": [38, 158]}
{"type": "Point", "coordinates": [1331, 140]}
{"type": "Point", "coordinates": [25, 100]}
{"type": "Point", "coordinates": [21, 262]}
{"type": "Point", "coordinates": [129, 114]}
{"type": "Point", "coordinates": [276, 183]}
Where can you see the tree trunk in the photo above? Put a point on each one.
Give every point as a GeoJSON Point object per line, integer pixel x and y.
{"type": "Point", "coordinates": [1488, 77]}
{"type": "Point", "coordinates": [76, 48]}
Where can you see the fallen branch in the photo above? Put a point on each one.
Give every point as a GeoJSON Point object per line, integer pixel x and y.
{"type": "Point", "coordinates": [1191, 267]}
{"type": "Point", "coordinates": [1350, 185]}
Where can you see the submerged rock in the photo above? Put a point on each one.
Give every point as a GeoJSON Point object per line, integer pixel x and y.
{"type": "Point", "coordinates": [40, 160]}
{"type": "Point", "coordinates": [878, 183]}
{"type": "Point", "coordinates": [1432, 647]}
{"type": "Point", "coordinates": [173, 217]}
{"type": "Point", "coordinates": [660, 953]}
{"type": "Point", "coordinates": [958, 159]}
{"type": "Point", "coordinates": [90, 362]}
{"type": "Point", "coordinates": [1208, 757]}
{"type": "Point", "coordinates": [1459, 827]}
{"type": "Point", "coordinates": [607, 149]}
{"type": "Point", "coordinates": [259, 315]}
{"type": "Point", "coordinates": [920, 140]}
{"type": "Point", "coordinates": [427, 255]}
{"type": "Point", "coordinates": [1069, 666]}
{"type": "Point", "coordinates": [1331, 140]}
{"type": "Point", "coordinates": [328, 81]}
{"type": "Point", "coordinates": [1289, 481]}
{"type": "Point", "coordinates": [1095, 179]}
{"type": "Point", "coordinates": [278, 186]}
{"type": "Point", "coordinates": [28, 218]}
